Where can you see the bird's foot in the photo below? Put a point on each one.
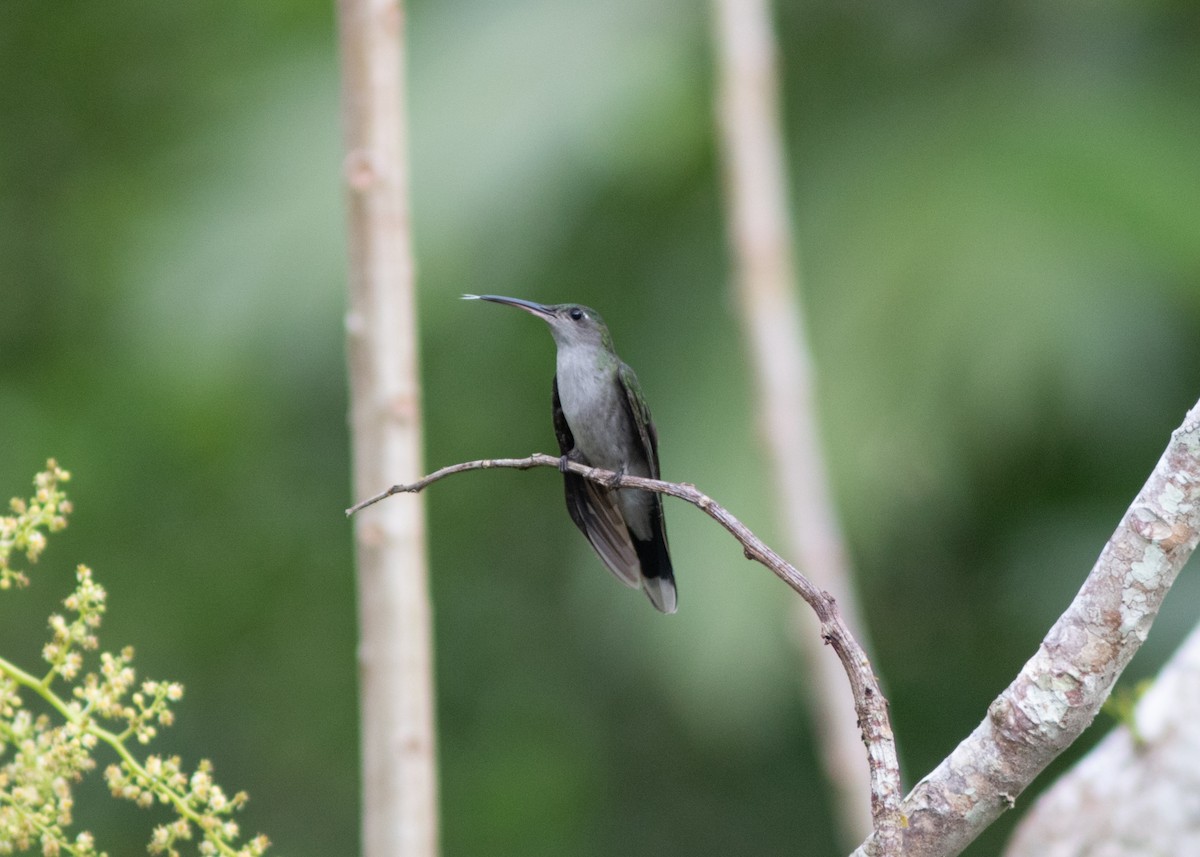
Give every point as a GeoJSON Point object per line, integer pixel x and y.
{"type": "Point", "coordinates": [614, 481]}
{"type": "Point", "coordinates": [574, 455]}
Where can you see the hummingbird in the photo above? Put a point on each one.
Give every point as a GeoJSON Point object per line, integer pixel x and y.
{"type": "Point", "coordinates": [601, 420]}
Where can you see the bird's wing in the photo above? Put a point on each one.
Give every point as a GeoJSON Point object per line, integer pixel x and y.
{"type": "Point", "coordinates": [595, 512]}
{"type": "Point", "coordinates": [658, 577]}
{"type": "Point", "coordinates": [562, 431]}
{"type": "Point", "coordinates": [640, 416]}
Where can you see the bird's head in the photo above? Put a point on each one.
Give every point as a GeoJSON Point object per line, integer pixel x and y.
{"type": "Point", "coordinates": [570, 324]}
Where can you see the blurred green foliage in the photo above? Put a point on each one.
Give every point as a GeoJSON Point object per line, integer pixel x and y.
{"type": "Point", "coordinates": [996, 220]}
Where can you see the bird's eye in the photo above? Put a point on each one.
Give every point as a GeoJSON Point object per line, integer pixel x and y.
{"type": "Point", "coordinates": [576, 314]}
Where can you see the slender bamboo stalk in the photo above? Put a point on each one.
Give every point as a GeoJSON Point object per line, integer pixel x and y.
{"type": "Point", "coordinates": [395, 654]}
{"type": "Point", "coordinates": [766, 285]}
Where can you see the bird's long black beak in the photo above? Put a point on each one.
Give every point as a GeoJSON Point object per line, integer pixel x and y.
{"type": "Point", "coordinates": [529, 306]}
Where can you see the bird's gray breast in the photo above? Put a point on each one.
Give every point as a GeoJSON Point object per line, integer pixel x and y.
{"type": "Point", "coordinates": [596, 408]}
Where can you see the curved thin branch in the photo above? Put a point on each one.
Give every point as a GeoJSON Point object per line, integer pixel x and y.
{"type": "Point", "coordinates": [1060, 689]}
{"type": "Point", "coordinates": [869, 702]}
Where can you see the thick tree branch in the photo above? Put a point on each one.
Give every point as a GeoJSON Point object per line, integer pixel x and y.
{"type": "Point", "coordinates": [1060, 690]}
{"type": "Point", "coordinates": [869, 703]}
{"type": "Point", "coordinates": [1133, 795]}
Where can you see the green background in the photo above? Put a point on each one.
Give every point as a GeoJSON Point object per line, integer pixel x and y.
{"type": "Point", "coordinates": [997, 225]}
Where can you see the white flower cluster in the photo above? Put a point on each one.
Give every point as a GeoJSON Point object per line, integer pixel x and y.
{"type": "Point", "coordinates": [96, 699]}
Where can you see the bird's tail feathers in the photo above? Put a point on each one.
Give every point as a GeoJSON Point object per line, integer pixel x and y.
{"type": "Point", "coordinates": [658, 577]}
{"type": "Point", "coordinates": [661, 592]}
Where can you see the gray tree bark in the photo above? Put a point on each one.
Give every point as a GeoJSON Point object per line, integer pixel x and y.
{"type": "Point", "coordinates": [1131, 796]}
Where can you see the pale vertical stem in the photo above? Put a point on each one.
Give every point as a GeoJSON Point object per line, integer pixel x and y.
{"type": "Point", "coordinates": [766, 284]}
{"type": "Point", "coordinates": [399, 777]}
